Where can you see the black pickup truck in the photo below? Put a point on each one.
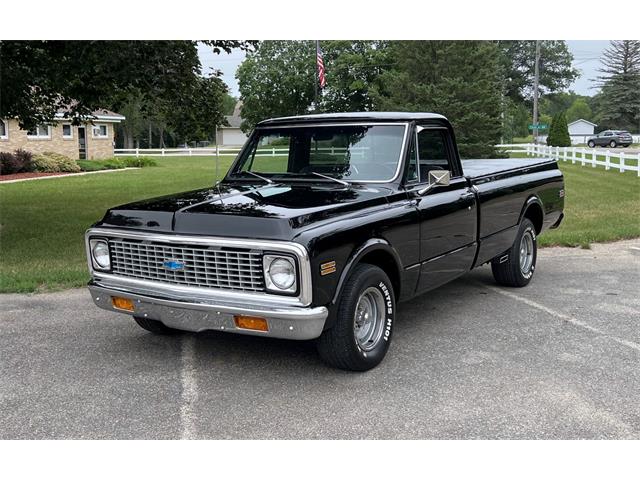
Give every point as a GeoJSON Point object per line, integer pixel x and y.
{"type": "Point", "coordinates": [322, 224]}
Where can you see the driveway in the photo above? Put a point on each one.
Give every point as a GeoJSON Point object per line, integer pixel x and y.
{"type": "Point", "coordinates": [558, 359]}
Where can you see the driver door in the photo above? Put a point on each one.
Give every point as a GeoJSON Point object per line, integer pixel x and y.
{"type": "Point", "coordinates": [447, 213]}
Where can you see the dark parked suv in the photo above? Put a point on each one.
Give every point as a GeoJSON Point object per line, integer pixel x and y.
{"type": "Point", "coordinates": [611, 138]}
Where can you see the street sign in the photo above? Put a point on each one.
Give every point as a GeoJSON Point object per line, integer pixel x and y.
{"type": "Point", "coordinates": [541, 126]}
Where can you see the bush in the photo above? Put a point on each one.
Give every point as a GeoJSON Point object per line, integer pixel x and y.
{"type": "Point", "coordinates": [559, 132]}
{"type": "Point", "coordinates": [17, 162]}
{"type": "Point", "coordinates": [54, 162]}
{"type": "Point", "coordinates": [116, 163]}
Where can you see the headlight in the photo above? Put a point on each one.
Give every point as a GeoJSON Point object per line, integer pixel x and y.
{"type": "Point", "coordinates": [100, 254]}
{"type": "Point", "coordinates": [279, 273]}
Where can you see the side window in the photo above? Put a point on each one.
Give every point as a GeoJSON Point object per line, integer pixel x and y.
{"type": "Point", "coordinates": [271, 155]}
{"type": "Point", "coordinates": [432, 152]}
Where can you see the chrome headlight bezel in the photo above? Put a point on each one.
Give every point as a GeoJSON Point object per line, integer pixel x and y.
{"type": "Point", "coordinates": [94, 244]}
{"type": "Point", "coordinates": [273, 286]}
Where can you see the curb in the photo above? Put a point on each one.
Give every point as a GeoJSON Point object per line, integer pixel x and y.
{"type": "Point", "coordinates": [68, 175]}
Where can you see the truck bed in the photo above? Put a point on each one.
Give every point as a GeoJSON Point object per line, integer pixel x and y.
{"type": "Point", "coordinates": [478, 168]}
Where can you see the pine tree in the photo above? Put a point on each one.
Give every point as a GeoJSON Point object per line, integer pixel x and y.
{"type": "Point", "coordinates": [459, 79]}
{"type": "Point", "coordinates": [559, 132]}
{"type": "Point", "coordinates": [620, 82]}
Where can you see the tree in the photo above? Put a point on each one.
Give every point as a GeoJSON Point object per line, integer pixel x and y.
{"type": "Point", "coordinates": [39, 78]}
{"type": "Point", "coordinates": [277, 80]}
{"type": "Point", "coordinates": [579, 109]}
{"type": "Point", "coordinates": [228, 104]}
{"type": "Point", "coordinates": [456, 78]}
{"type": "Point", "coordinates": [352, 69]}
{"type": "Point", "coordinates": [619, 105]}
{"type": "Point", "coordinates": [517, 67]}
{"type": "Point", "coordinates": [559, 132]}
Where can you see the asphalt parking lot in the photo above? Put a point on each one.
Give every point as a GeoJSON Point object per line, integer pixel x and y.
{"type": "Point", "coordinates": [559, 359]}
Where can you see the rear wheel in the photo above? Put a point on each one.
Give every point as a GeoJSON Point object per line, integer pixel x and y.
{"type": "Point", "coordinates": [361, 335]}
{"type": "Point", "coordinates": [591, 144]}
{"type": "Point", "coordinates": [154, 326]}
{"type": "Point", "coordinates": [515, 267]}
{"type": "Point", "coordinates": [612, 144]}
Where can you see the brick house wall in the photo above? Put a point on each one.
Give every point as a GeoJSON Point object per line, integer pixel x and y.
{"type": "Point", "coordinates": [97, 147]}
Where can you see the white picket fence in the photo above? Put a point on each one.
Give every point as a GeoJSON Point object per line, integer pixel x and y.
{"type": "Point", "coordinates": [617, 160]}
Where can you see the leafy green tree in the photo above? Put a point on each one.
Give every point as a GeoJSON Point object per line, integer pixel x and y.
{"type": "Point", "coordinates": [579, 109]}
{"type": "Point", "coordinates": [352, 69]}
{"type": "Point", "coordinates": [517, 61]}
{"type": "Point", "coordinates": [559, 132]}
{"type": "Point", "coordinates": [278, 79]}
{"type": "Point", "coordinates": [458, 79]}
{"type": "Point", "coordinates": [619, 102]}
{"type": "Point", "coordinates": [228, 104]}
{"type": "Point", "coordinates": [41, 77]}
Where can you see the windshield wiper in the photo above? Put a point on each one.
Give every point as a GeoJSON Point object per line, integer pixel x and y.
{"type": "Point", "coordinates": [341, 182]}
{"type": "Point", "coordinates": [264, 179]}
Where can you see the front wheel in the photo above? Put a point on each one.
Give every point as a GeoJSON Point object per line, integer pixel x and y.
{"type": "Point", "coordinates": [361, 335]}
{"type": "Point", "coordinates": [591, 144]}
{"type": "Point", "coordinates": [515, 267]}
{"type": "Point", "coordinates": [612, 144]}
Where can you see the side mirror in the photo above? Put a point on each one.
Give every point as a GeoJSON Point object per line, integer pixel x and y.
{"type": "Point", "coordinates": [436, 177]}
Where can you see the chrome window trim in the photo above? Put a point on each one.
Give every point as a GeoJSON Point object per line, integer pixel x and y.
{"type": "Point", "coordinates": [298, 251]}
{"type": "Point", "coordinates": [349, 124]}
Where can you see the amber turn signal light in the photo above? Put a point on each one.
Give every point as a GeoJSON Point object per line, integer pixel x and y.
{"type": "Point", "coordinates": [122, 303]}
{"type": "Point", "coordinates": [251, 323]}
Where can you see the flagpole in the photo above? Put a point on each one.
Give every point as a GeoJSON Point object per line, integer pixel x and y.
{"type": "Point", "coordinates": [315, 63]}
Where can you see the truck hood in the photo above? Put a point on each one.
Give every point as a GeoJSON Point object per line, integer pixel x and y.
{"type": "Point", "coordinates": [275, 211]}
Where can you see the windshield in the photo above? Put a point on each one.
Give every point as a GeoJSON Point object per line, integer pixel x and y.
{"type": "Point", "coordinates": [348, 152]}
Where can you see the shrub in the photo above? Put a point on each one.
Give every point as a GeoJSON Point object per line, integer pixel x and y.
{"type": "Point", "coordinates": [139, 162]}
{"type": "Point", "coordinates": [16, 162]}
{"type": "Point", "coordinates": [54, 162]}
{"type": "Point", "coordinates": [559, 132]}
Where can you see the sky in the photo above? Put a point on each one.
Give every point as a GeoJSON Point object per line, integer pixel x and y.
{"type": "Point", "coordinates": [586, 55]}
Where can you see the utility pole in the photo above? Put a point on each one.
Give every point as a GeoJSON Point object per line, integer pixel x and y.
{"type": "Point", "coordinates": [536, 81]}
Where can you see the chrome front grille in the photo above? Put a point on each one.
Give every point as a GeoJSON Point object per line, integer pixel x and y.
{"type": "Point", "coordinates": [201, 266]}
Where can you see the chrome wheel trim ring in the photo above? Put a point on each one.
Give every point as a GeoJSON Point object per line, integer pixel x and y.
{"type": "Point", "coordinates": [368, 319]}
{"type": "Point", "coordinates": [526, 252]}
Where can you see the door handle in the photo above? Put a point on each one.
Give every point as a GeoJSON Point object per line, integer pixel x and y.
{"type": "Point", "coordinates": [466, 196]}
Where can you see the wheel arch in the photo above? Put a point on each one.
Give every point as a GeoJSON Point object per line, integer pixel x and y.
{"type": "Point", "coordinates": [378, 252]}
{"type": "Point", "coordinates": [534, 211]}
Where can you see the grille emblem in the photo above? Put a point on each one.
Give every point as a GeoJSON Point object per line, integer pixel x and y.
{"type": "Point", "coordinates": [173, 265]}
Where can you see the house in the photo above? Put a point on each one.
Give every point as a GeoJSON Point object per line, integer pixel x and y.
{"type": "Point", "coordinates": [232, 135]}
{"type": "Point", "coordinates": [581, 127]}
{"type": "Point", "coordinates": [90, 140]}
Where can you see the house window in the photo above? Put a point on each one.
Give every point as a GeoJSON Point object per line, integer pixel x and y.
{"type": "Point", "coordinates": [41, 131]}
{"type": "Point", "coordinates": [67, 130]}
{"type": "Point", "coordinates": [100, 131]}
{"type": "Point", "coordinates": [4, 129]}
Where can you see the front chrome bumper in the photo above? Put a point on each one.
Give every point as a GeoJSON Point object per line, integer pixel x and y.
{"type": "Point", "coordinates": [196, 315]}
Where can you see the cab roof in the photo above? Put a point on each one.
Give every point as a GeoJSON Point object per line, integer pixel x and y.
{"type": "Point", "coordinates": [353, 117]}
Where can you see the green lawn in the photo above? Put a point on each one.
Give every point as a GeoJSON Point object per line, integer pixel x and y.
{"type": "Point", "coordinates": [42, 222]}
{"type": "Point", "coordinates": [600, 206]}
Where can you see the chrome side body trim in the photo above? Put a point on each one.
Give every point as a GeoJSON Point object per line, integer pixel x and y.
{"type": "Point", "coordinates": [294, 323]}
{"type": "Point", "coordinates": [298, 251]}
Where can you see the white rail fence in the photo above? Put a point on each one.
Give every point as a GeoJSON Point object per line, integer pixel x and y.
{"type": "Point", "coordinates": [225, 151]}
{"type": "Point", "coordinates": [176, 152]}
{"type": "Point", "coordinates": [618, 160]}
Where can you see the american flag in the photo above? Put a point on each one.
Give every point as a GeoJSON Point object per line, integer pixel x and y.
{"type": "Point", "coordinates": [321, 78]}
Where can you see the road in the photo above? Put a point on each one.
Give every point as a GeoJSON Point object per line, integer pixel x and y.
{"type": "Point", "coordinates": [559, 359]}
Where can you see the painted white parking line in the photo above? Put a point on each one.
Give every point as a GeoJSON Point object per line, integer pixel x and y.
{"type": "Point", "coordinates": [189, 388]}
{"type": "Point", "coordinates": [563, 317]}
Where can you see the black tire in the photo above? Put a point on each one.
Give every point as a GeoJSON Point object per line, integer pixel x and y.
{"type": "Point", "coordinates": [613, 144]}
{"type": "Point", "coordinates": [339, 346]}
{"type": "Point", "coordinates": [591, 144]}
{"type": "Point", "coordinates": [507, 268]}
{"type": "Point", "coordinates": [154, 326]}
